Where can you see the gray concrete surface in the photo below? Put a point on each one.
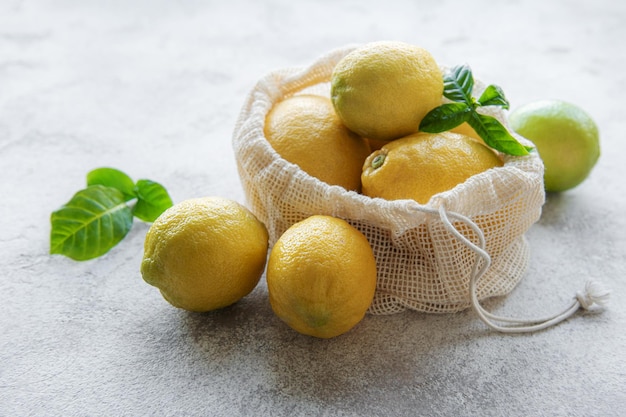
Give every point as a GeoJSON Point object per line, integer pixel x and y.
{"type": "Point", "coordinates": [154, 87]}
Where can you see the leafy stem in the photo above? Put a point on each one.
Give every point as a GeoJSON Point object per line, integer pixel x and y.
{"type": "Point", "coordinates": [99, 216]}
{"type": "Point", "coordinates": [458, 88]}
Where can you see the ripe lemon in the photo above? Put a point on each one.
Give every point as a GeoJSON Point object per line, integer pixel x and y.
{"type": "Point", "coordinates": [205, 253]}
{"type": "Point", "coordinates": [566, 138]}
{"type": "Point", "coordinates": [465, 129]}
{"type": "Point", "coordinates": [383, 90]}
{"type": "Point", "coordinates": [306, 131]}
{"type": "Point", "coordinates": [421, 165]}
{"type": "Point", "coordinates": [321, 276]}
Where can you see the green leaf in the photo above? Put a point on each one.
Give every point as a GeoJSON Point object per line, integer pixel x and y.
{"type": "Point", "coordinates": [90, 224]}
{"type": "Point", "coordinates": [496, 135]}
{"type": "Point", "coordinates": [493, 96]}
{"type": "Point", "coordinates": [152, 200]}
{"type": "Point", "coordinates": [458, 84]}
{"type": "Point", "coordinates": [115, 178]}
{"type": "Point", "coordinates": [445, 117]}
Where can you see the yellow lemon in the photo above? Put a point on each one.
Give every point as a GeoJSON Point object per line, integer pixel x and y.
{"type": "Point", "coordinates": [306, 131]}
{"type": "Point", "coordinates": [465, 129]}
{"type": "Point", "coordinates": [421, 165]}
{"type": "Point", "coordinates": [205, 253]}
{"type": "Point", "coordinates": [566, 138]}
{"type": "Point", "coordinates": [321, 276]}
{"type": "Point", "coordinates": [383, 90]}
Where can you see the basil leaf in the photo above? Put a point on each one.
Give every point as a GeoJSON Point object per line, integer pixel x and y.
{"type": "Point", "coordinates": [493, 96]}
{"type": "Point", "coordinates": [458, 84]}
{"type": "Point", "coordinates": [115, 178]}
{"type": "Point", "coordinates": [445, 117]}
{"type": "Point", "coordinates": [152, 200]}
{"type": "Point", "coordinates": [496, 135]}
{"type": "Point", "coordinates": [90, 224]}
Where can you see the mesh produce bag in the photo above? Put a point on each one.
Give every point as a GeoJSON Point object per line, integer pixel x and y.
{"type": "Point", "coordinates": [465, 245]}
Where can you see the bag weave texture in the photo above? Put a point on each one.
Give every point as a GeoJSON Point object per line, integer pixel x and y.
{"type": "Point", "coordinates": [421, 265]}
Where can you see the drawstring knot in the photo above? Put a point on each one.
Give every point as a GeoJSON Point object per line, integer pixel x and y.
{"type": "Point", "coordinates": [594, 293]}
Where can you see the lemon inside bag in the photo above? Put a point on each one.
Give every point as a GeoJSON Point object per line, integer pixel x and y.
{"type": "Point", "coordinates": [421, 266]}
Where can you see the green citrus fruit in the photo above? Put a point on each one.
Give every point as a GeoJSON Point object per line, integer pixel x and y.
{"type": "Point", "coordinates": [566, 138]}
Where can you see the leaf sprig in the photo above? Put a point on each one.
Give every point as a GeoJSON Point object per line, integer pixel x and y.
{"type": "Point", "coordinates": [98, 217]}
{"type": "Point", "coordinates": [458, 88]}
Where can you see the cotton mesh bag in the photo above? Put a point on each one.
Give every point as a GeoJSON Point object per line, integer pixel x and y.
{"type": "Point", "coordinates": [465, 245]}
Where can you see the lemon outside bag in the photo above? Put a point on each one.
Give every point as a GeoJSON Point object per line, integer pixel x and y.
{"type": "Point", "coordinates": [465, 245]}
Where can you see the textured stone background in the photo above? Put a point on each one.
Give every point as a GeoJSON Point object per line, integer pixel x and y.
{"type": "Point", "coordinates": [154, 87]}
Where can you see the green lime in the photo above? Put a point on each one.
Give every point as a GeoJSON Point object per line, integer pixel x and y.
{"type": "Point", "coordinates": [566, 138]}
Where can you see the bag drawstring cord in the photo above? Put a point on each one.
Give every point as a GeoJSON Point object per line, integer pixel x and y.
{"type": "Point", "coordinates": [593, 292]}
